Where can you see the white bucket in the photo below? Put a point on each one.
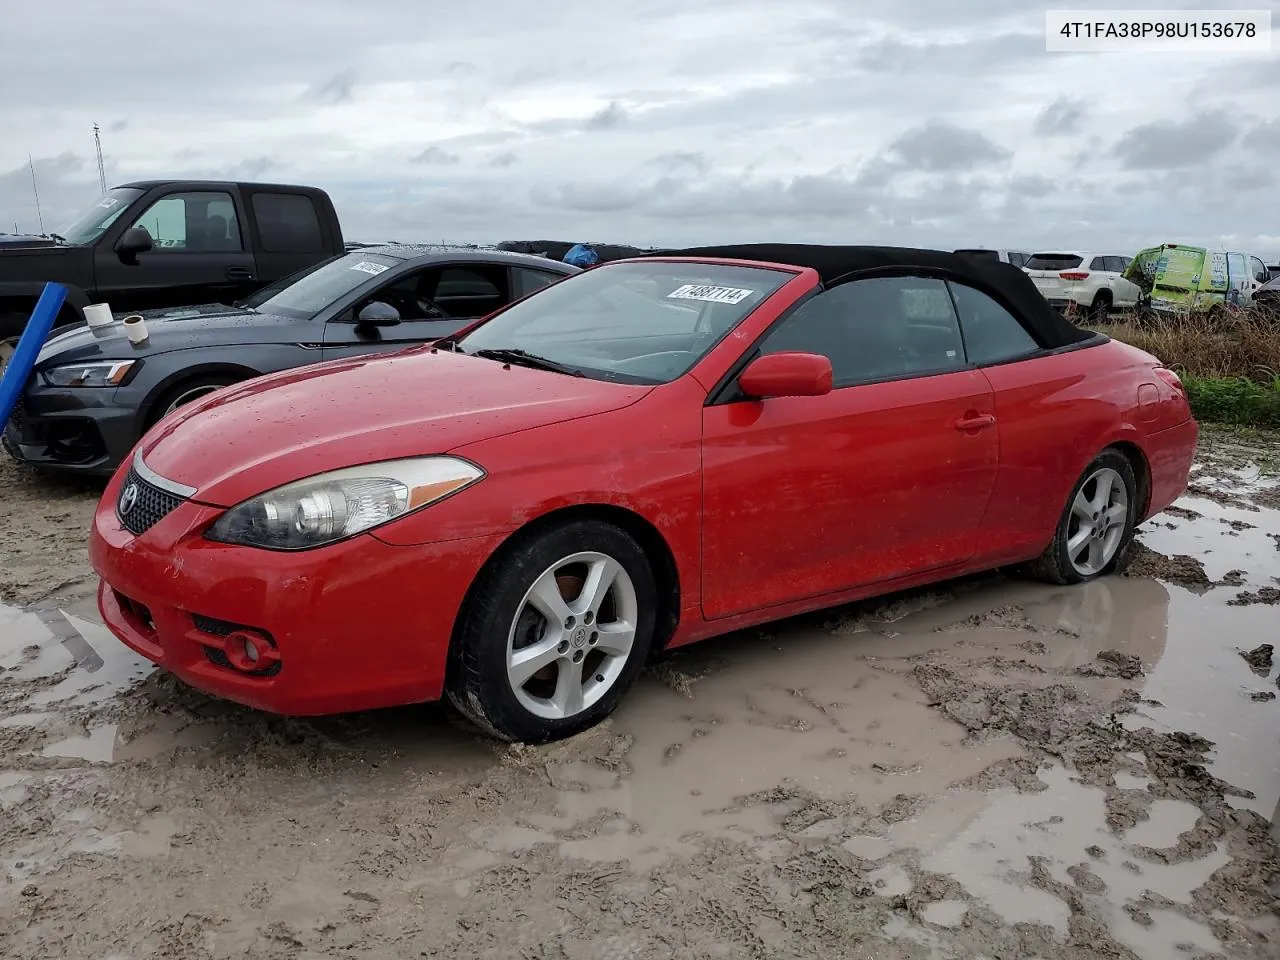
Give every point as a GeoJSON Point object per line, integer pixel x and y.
{"type": "Point", "coordinates": [135, 328]}
{"type": "Point", "coordinates": [98, 314]}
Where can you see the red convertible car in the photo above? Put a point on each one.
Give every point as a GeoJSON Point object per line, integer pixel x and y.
{"type": "Point", "coordinates": [642, 455]}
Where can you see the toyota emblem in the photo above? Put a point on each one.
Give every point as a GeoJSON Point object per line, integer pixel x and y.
{"type": "Point", "coordinates": [128, 499]}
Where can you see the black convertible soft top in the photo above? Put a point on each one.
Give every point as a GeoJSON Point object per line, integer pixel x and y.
{"type": "Point", "coordinates": [1003, 281]}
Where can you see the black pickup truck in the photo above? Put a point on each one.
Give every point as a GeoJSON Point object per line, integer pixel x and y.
{"type": "Point", "coordinates": [169, 243]}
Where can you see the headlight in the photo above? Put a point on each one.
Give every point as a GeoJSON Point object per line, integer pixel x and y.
{"type": "Point", "coordinates": [333, 506]}
{"type": "Point", "coordinates": [106, 373]}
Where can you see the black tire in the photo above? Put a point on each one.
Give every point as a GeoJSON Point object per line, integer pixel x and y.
{"type": "Point", "coordinates": [1054, 565]}
{"type": "Point", "coordinates": [477, 683]}
{"type": "Point", "coordinates": [206, 384]}
{"type": "Point", "coordinates": [1101, 306]}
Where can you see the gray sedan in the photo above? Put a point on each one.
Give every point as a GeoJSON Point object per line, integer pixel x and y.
{"type": "Point", "coordinates": [94, 392]}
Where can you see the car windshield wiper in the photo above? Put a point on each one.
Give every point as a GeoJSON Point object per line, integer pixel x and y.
{"type": "Point", "coordinates": [525, 359]}
{"type": "Point", "coordinates": [59, 238]}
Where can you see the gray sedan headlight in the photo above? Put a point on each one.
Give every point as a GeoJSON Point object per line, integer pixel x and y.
{"type": "Point", "coordinates": [333, 506]}
{"type": "Point", "coordinates": [105, 373]}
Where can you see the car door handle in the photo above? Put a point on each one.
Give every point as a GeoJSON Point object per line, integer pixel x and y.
{"type": "Point", "coordinates": [239, 273]}
{"type": "Point", "coordinates": [975, 422]}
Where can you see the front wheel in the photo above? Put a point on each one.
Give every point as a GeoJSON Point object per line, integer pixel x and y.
{"type": "Point", "coordinates": [1096, 525]}
{"type": "Point", "coordinates": [554, 632]}
{"type": "Point", "coordinates": [186, 392]}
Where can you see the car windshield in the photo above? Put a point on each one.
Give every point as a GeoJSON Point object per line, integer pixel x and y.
{"type": "Point", "coordinates": [93, 223]}
{"type": "Point", "coordinates": [638, 322]}
{"type": "Point", "coordinates": [256, 299]}
{"type": "Point", "coordinates": [317, 289]}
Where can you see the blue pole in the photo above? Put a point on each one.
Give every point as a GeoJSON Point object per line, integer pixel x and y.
{"type": "Point", "coordinates": [18, 370]}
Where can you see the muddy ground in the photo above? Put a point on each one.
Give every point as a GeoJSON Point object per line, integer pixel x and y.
{"type": "Point", "coordinates": [993, 768]}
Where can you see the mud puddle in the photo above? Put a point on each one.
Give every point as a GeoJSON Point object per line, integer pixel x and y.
{"type": "Point", "coordinates": [992, 767]}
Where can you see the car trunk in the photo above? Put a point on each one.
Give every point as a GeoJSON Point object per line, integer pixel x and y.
{"type": "Point", "coordinates": [1056, 275]}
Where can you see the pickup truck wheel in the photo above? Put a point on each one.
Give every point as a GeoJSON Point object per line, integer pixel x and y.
{"type": "Point", "coordinates": [186, 392]}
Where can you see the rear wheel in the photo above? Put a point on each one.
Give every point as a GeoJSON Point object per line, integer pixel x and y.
{"type": "Point", "coordinates": [1097, 524]}
{"type": "Point", "coordinates": [554, 632]}
{"type": "Point", "coordinates": [1101, 306]}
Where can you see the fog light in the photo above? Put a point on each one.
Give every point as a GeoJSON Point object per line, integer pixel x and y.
{"type": "Point", "coordinates": [249, 652]}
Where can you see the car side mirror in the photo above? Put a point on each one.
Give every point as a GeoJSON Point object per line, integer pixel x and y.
{"type": "Point", "coordinates": [786, 375]}
{"type": "Point", "coordinates": [134, 241]}
{"type": "Point", "coordinates": [378, 314]}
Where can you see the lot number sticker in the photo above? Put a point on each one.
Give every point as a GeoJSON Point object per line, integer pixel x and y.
{"type": "Point", "coordinates": [696, 291]}
{"type": "Point", "coordinates": [367, 266]}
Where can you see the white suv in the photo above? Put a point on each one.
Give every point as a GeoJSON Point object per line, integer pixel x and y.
{"type": "Point", "coordinates": [1083, 281]}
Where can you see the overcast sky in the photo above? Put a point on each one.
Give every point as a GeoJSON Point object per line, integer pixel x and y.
{"type": "Point", "coordinates": [925, 122]}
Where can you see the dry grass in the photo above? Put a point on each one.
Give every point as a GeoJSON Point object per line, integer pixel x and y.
{"type": "Point", "coordinates": [1239, 344]}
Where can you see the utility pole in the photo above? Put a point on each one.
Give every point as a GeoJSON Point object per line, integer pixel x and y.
{"type": "Point", "coordinates": [102, 171]}
{"type": "Point", "coordinates": [31, 163]}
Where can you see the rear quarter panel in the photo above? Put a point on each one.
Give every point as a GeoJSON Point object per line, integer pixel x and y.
{"type": "Point", "coordinates": [1054, 415]}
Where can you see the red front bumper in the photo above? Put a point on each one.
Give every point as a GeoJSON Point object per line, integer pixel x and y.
{"type": "Point", "coordinates": [357, 625]}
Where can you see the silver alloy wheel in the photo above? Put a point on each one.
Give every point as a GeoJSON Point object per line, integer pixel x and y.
{"type": "Point", "coordinates": [195, 393]}
{"type": "Point", "coordinates": [572, 635]}
{"type": "Point", "coordinates": [1099, 515]}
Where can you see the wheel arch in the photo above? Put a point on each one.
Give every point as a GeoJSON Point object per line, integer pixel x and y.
{"type": "Point", "coordinates": [193, 372]}
{"type": "Point", "coordinates": [1141, 471]}
{"type": "Point", "coordinates": [656, 549]}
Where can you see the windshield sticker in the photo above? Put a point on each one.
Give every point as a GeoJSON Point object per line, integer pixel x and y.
{"type": "Point", "coordinates": [696, 291]}
{"type": "Point", "coordinates": [108, 202]}
{"type": "Point", "coordinates": [368, 266]}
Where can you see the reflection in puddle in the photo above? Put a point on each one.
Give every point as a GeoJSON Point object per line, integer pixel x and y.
{"type": "Point", "coordinates": [71, 647]}
{"type": "Point", "coordinates": [990, 856]}
{"type": "Point", "coordinates": [98, 747]}
{"type": "Point", "coordinates": [1201, 685]}
{"type": "Point", "coordinates": [1224, 538]}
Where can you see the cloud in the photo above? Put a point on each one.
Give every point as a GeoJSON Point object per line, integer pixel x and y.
{"type": "Point", "coordinates": [1064, 115]}
{"type": "Point", "coordinates": [1264, 138]}
{"type": "Point", "coordinates": [939, 145]}
{"type": "Point", "coordinates": [1168, 144]}
{"type": "Point", "coordinates": [606, 118]}
{"type": "Point", "coordinates": [337, 89]}
{"type": "Point", "coordinates": [436, 156]}
{"type": "Point", "coordinates": [657, 121]}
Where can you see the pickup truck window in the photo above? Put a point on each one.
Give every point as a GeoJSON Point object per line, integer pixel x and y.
{"type": "Point", "coordinates": [193, 223]}
{"type": "Point", "coordinates": [287, 223]}
{"type": "Point", "coordinates": [315, 291]}
{"type": "Point", "coordinates": [93, 223]}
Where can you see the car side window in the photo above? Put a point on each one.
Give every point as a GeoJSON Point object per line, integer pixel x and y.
{"type": "Point", "coordinates": [287, 223]}
{"type": "Point", "coordinates": [1236, 269]}
{"type": "Point", "coordinates": [1260, 271]}
{"type": "Point", "coordinates": [1099, 263]}
{"type": "Point", "coordinates": [991, 333]}
{"type": "Point", "coordinates": [465, 291]}
{"type": "Point", "coordinates": [525, 281]}
{"type": "Point", "coordinates": [1116, 264]}
{"type": "Point", "coordinates": [410, 295]}
{"type": "Point", "coordinates": [197, 222]}
{"type": "Point", "coordinates": [881, 328]}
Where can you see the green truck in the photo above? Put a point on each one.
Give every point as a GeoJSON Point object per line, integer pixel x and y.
{"type": "Point", "coordinates": [1180, 279]}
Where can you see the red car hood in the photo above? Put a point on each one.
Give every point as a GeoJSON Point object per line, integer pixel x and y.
{"type": "Point", "coordinates": [272, 430]}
